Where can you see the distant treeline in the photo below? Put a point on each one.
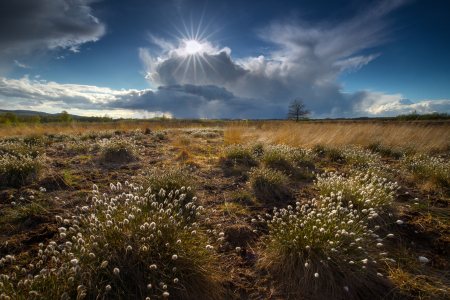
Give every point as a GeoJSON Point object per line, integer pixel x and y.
{"type": "Point", "coordinates": [415, 116]}
{"type": "Point", "coordinates": [64, 117]}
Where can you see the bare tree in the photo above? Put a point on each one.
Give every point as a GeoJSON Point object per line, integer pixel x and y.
{"type": "Point", "coordinates": [296, 110]}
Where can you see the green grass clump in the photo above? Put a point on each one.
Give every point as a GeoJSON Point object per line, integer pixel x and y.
{"type": "Point", "coordinates": [79, 147]}
{"type": "Point", "coordinates": [285, 157]}
{"type": "Point", "coordinates": [106, 134]}
{"type": "Point", "coordinates": [332, 154]}
{"type": "Point", "coordinates": [389, 151]}
{"type": "Point", "coordinates": [176, 178]}
{"type": "Point", "coordinates": [33, 140]}
{"type": "Point", "coordinates": [119, 151]}
{"type": "Point", "coordinates": [361, 190]}
{"type": "Point", "coordinates": [89, 135]}
{"type": "Point", "coordinates": [125, 245]}
{"type": "Point", "coordinates": [435, 171]}
{"type": "Point", "coordinates": [18, 170]}
{"type": "Point", "coordinates": [323, 249]}
{"type": "Point", "coordinates": [238, 151]}
{"type": "Point", "coordinates": [269, 184]}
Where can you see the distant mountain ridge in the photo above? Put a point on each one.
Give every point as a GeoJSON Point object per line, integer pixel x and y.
{"type": "Point", "coordinates": [27, 113]}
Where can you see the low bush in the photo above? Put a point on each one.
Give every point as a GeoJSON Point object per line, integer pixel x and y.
{"type": "Point", "coordinates": [131, 244]}
{"type": "Point", "coordinates": [268, 184]}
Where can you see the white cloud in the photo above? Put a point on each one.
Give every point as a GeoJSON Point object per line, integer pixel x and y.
{"type": "Point", "coordinates": [21, 65]}
{"type": "Point", "coordinates": [179, 101]}
{"type": "Point", "coordinates": [182, 101]}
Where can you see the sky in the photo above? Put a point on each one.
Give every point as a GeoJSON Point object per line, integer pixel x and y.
{"type": "Point", "coordinates": [225, 59]}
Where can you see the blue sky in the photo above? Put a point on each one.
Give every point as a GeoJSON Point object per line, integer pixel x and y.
{"type": "Point", "coordinates": [146, 58]}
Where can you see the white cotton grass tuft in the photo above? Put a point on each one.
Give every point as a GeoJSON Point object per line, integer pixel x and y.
{"type": "Point", "coordinates": [125, 220]}
{"type": "Point", "coordinates": [338, 229]}
{"type": "Point", "coordinates": [423, 259]}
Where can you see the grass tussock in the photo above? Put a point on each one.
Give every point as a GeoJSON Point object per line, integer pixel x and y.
{"type": "Point", "coordinates": [118, 152]}
{"type": "Point", "coordinates": [20, 164]}
{"type": "Point", "coordinates": [324, 250]}
{"type": "Point", "coordinates": [268, 184]}
{"type": "Point", "coordinates": [433, 172]}
{"type": "Point", "coordinates": [171, 178]}
{"type": "Point", "coordinates": [130, 244]}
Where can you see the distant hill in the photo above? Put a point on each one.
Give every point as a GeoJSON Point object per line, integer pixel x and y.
{"type": "Point", "coordinates": [28, 113]}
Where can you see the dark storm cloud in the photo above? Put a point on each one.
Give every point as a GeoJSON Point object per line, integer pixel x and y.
{"type": "Point", "coordinates": [39, 25]}
{"type": "Point", "coordinates": [190, 101]}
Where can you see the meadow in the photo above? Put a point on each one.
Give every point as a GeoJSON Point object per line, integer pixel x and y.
{"type": "Point", "coordinates": [225, 210]}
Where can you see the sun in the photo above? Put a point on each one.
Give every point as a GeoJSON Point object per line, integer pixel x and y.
{"type": "Point", "coordinates": [193, 47]}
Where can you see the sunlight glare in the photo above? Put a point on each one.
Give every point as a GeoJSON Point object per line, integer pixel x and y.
{"type": "Point", "coordinates": [192, 47]}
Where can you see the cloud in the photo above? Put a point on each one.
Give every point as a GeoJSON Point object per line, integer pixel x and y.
{"type": "Point", "coordinates": [182, 101]}
{"type": "Point", "coordinates": [21, 65]}
{"type": "Point", "coordinates": [304, 60]}
{"type": "Point", "coordinates": [188, 101]}
{"type": "Point", "coordinates": [29, 26]}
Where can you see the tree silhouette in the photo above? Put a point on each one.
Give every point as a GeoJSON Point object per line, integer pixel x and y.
{"type": "Point", "coordinates": [296, 110]}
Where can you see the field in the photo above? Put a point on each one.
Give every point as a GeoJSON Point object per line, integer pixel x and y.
{"type": "Point", "coordinates": [225, 210]}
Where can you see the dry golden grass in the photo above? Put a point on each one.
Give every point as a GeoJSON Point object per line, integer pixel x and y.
{"type": "Point", "coordinates": [425, 136]}
{"type": "Point", "coordinates": [78, 128]}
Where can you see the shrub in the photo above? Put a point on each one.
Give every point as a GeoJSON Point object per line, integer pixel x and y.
{"type": "Point", "coordinates": [127, 245]}
{"type": "Point", "coordinates": [362, 190]}
{"type": "Point", "coordinates": [269, 184]}
{"type": "Point", "coordinates": [118, 151]}
{"type": "Point", "coordinates": [323, 249]}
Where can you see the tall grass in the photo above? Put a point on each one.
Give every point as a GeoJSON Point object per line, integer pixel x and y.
{"type": "Point", "coordinates": [423, 136]}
